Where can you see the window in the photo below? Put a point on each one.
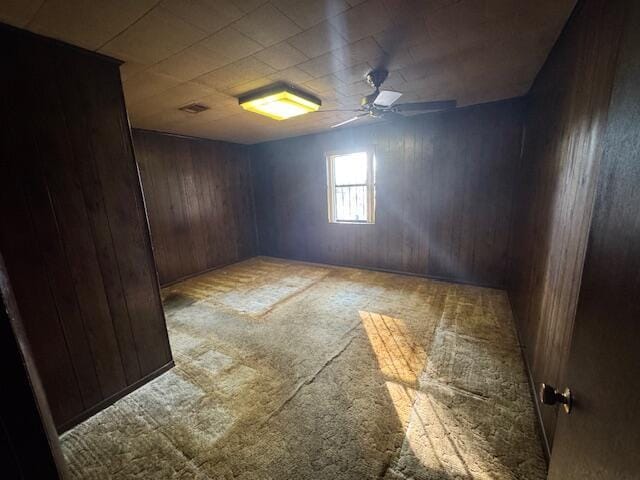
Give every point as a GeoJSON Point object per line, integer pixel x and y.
{"type": "Point", "coordinates": [351, 187]}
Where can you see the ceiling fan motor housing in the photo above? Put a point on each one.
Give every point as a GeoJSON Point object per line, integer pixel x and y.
{"type": "Point", "coordinates": [375, 78]}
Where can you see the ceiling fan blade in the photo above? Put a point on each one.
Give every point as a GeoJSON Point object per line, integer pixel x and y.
{"type": "Point", "coordinates": [349, 121]}
{"type": "Point", "coordinates": [386, 98]}
{"type": "Point", "coordinates": [392, 116]}
{"type": "Point", "coordinates": [425, 106]}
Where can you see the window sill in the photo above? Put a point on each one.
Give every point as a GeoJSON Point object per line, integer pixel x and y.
{"type": "Point", "coordinates": [337, 222]}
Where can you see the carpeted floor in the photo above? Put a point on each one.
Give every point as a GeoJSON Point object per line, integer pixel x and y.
{"type": "Point", "coordinates": [289, 370]}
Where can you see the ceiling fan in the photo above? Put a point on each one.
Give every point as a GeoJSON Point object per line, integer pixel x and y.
{"type": "Point", "coordinates": [381, 103]}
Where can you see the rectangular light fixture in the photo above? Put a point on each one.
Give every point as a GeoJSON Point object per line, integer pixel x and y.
{"type": "Point", "coordinates": [279, 101]}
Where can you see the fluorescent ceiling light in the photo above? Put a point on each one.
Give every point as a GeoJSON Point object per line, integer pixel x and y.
{"type": "Point", "coordinates": [279, 102]}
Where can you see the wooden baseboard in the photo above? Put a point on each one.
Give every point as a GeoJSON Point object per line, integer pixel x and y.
{"type": "Point", "coordinates": [113, 398]}
{"type": "Point", "coordinates": [344, 265]}
{"type": "Point", "coordinates": [388, 270]}
{"type": "Point", "coordinates": [202, 272]}
{"type": "Point", "coordinates": [533, 389]}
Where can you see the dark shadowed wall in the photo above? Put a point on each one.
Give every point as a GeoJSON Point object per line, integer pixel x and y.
{"type": "Point", "coordinates": [74, 232]}
{"type": "Point", "coordinates": [443, 195]}
{"type": "Point", "coordinates": [566, 120]}
{"type": "Point", "coordinates": [199, 201]}
{"type": "Point", "coordinates": [597, 441]}
{"type": "Point", "coordinates": [29, 446]}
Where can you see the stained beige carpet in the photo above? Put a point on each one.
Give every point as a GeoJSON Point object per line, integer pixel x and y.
{"type": "Point", "coordinates": [288, 370]}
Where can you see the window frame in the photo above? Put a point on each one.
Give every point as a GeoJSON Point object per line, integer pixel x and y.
{"type": "Point", "coordinates": [370, 184]}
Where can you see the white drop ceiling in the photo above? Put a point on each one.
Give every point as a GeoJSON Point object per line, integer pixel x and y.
{"type": "Point", "coordinates": [210, 51]}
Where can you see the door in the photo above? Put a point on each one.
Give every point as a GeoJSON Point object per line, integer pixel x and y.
{"type": "Point", "coordinates": [600, 438]}
{"type": "Point", "coordinates": [29, 446]}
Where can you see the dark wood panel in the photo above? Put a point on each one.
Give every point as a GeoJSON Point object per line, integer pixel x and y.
{"type": "Point", "coordinates": [566, 118]}
{"type": "Point", "coordinates": [199, 198]}
{"type": "Point", "coordinates": [62, 171]}
{"type": "Point", "coordinates": [443, 195]}
{"type": "Point", "coordinates": [601, 438]}
{"type": "Point", "coordinates": [74, 234]}
{"type": "Point", "coordinates": [23, 253]}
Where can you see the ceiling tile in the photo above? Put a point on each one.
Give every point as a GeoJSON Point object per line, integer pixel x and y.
{"type": "Point", "coordinates": [247, 87]}
{"type": "Point", "coordinates": [191, 63]}
{"type": "Point", "coordinates": [219, 109]}
{"type": "Point", "coordinates": [400, 59]}
{"type": "Point", "coordinates": [158, 122]}
{"type": "Point", "coordinates": [219, 100]}
{"type": "Point", "coordinates": [325, 84]}
{"type": "Point", "coordinates": [539, 14]}
{"type": "Point", "coordinates": [156, 36]}
{"type": "Point", "coordinates": [434, 51]}
{"type": "Point", "coordinates": [403, 11]}
{"type": "Point", "coordinates": [329, 102]}
{"type": "Point", "coordinates": [146, 84]}
{"type": "Point", "coordinates": [330, 96]}
{"type": "Point", "coordinates": [318, 40]}
{"type": "Point", "coordinates": [353, 74]}
{"type": "Point", "coordinates": [281, 56]}
{"type": "Point", "coordinates": [395, 81]}
{"type": "Point", "coordinates": [365, 50]}
{"type": "Point", "coordinates": [359, 87]}
{"type": "Point", "coordinates": [19, 12]}
{"type": "Point", "coordinates": [362, 21]}
{"type": "Point", "coordinates": [413, 32]}
{"type": "Point", "coordinates": [291, 75]}
{"type": "Point", "coordinates": [240, 127]}
{"type": "Point", "coordinates": [500, 9]}
{"type": "Point", "coordinates": [241, 71]}
{"type": "Point", "coordinates": [416, 71]}
{"type": "Point", "coordinates": [455, 18]}
{"type": "Point", "coordinates": [190, 123]}
{"type": "Point", "coordinates": [488, 93]}
{"type": "Point", "coordinates": [351, 101]}
{"type": "Point", "coordinates": [248, 5]}
{"type": "Point", "coordinates": [170, 116]}
{"type": "Point", "coordinates": [172, 98]}
{"type": "Point", "coordinates": [128, 69]}
{"type": "Point", "coordinates": [231, 43]}
{"type": "Point", "coordinates": [321, 65]}
{"type": "Point", "coordinates": [266, 25]}
{"type": "Point", "coordinates": [307, 13]}
{"type": "Point", "coordinates": [88, 24]}
{"type": "Point", "coordinates": [208, 15]}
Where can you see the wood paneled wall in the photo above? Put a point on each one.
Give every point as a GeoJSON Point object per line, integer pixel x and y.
{"type": "Point", "coordinates": [74, 233]}
{"type": "Point", "coordinates": [443, 195]}
{"type": "Point", "coordinates": [566, 119]}
{"type": "Point", "coordinates": [199, 200]}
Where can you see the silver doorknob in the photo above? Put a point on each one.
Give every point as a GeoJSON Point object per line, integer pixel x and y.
{"type": "Point", "coordinates": [550, 396]}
